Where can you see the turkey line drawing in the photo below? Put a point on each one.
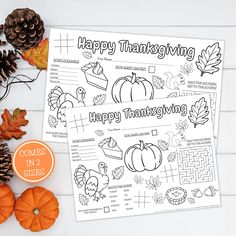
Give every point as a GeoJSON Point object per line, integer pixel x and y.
{"type": "Point", "coordinates": [94, 182]}
{"type": "Point", "coordinates": [59, 101]}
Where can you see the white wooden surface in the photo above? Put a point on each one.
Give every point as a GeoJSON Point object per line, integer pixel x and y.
{"type": "Point", "coordinates": [201, 19]}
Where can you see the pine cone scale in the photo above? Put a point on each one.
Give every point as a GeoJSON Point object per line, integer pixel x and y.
{"type": "Point", "coordinates": [24, 28]}
{"type": "Point", "coordinates": [7, 64]}
{"type": "Point", "coordinates": [6, 172]}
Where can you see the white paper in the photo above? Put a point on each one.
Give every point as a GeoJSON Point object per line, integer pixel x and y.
{"type": "Point", "coordinates": [142, 157]}
{"type": "Point", "coordinates": [86, 68]}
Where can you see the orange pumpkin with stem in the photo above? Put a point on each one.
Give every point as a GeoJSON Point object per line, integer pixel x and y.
{"type": "Point", "coordinates": [7, 202]}
{"type": "Point", "coordinates": [36, 209]}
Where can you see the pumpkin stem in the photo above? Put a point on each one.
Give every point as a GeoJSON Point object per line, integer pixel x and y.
{"type": "Point", "coordinates": [141, 145]}
{"type": "Point", "coordinates": [133, 80]}
{"type": "Point", "coordinates": [36, 211]}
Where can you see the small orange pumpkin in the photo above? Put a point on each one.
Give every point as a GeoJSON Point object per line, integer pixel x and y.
{"type": "Point", "coordinates": [36, 209]}
{"type": "Point", "coordinates": [7, 202]}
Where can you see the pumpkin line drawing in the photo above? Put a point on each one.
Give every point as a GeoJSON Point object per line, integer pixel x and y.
{"type": "Point", "coordinates": [132, 88]}
{"type": "Point", "coordinates": [143, 156]}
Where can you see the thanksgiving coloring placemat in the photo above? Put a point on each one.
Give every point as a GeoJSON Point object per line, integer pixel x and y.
{"type": "Point", "coordinates": [138, 158]}
{"type": "Point", "coordinates": [93, 68]}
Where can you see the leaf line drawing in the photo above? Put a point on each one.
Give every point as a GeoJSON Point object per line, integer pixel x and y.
{"type": "Point", "coordinates": [199, 112]}
{"type": "Point", "coordinates": [158, 198]}
{"type": "Point", "coordinates": [186, 68]}
{"type": "Point", "coordinates": [118, 172]}
{"type": "Point", "coordinates": [83, 200]}
{"type": "Point", "coordinates": [158, 82]}
{"type": "Point", "coordinates": [99, 99]}
{"type": "Point", "coordinates": [181, 125]}
{"type": "Point", "coordinates": [138, 179]}
{"type": "Point", "coordinates": [52, 121]}
{"type": "Point", "coordinates": [209, 59]}
{"type": "Point", "coordinates": [153, 182]}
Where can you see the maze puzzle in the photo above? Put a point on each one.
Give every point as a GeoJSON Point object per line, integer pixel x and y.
{"type": "Point", "coordinates": [196, 165]}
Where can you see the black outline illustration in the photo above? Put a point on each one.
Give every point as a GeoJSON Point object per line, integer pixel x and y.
{"type": "Point", "coordinates": [158, 198]}
{"type": "Point", "coordinates": [196, 164]}
{"type": "Point", "coordinates": [84, 200]}
{"type": "Point", "coordinates": [111, 149]}
{"type": "Point", "coordinates": [176, 195]}
{"type": "Point", "coordinates": [173, 82]}
{"type": "Point", "coordinates": [199, 112]}
{"type": "Point", "coordinates": [209, 59]}
{"type": "Point", "coordinates": [171, 157]}
{"type": "Point", "coordinates": [52, 121]}
{"type": "Point", "coordinates": [197, 193]}
{"type": "Point", "coordinates": [173, 95]}
{"type": "Point", "coordinates": [94, 182]}
{"type": "Point", "coordinates": [182, 125]}
{"type": "Point", "coordinates": [59, 101]}
{"type": "Point", "coordinates": [99, 132]}
{"type": "Point", "coordinates": [63, 43]}
{"type": "Point", "coordinates": [79, 123]}
{"type": "Point", "coordinates": [131, 157]}
{"type": "Point", "coordinates": [141, 199]}
{"type": "Point", "coordinates": [191, 200]}
{"type": "Point", "coordinates": [210, 191]}
{"type": "Point", "coordinates": [153, 182]}
{"type": "Point", "coordinates": [175, 140]}
{"type": "Point", "coordinates": [99, 99]}
{"type": "Point", "coordinates": [119, 84]}
{"type": "Point", "coordinates": [138, 179]}
{"type": "Point", "coordinates": [163, 145]}
{"type": "Point", "coordinates": [158, 82]}
{"type": "Point", "coordinates": [169, 173]}
{"type": "Point", "coordinates": [118, 172]}
{"type": "Point", "coordinates": [95, 76]}
{"type": "Point", "coordinates": [186, 68]}
{"type": "Point", "coordinates": [87, 54]}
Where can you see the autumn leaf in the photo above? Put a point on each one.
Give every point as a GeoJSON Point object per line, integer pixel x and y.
{"type": "Point", "coordinates": [10, 127]}
{"type": "Point", "coordinates": [199, 112]}
{"type": "Point", "coordinates": [37, 56]}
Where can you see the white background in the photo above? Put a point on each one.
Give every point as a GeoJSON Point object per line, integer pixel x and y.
{"type": "Point", "coordinates": [208, 19]}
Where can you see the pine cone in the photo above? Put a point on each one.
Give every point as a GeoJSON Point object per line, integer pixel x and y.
{"type": "Point", "coordinates": [6, 172]}
{"type": "Point", "coordinates": [7, 64]}
{"type": "Point", "coordinates": [24, 29]}
{"type": "Point", "coordinates": [1, 41]}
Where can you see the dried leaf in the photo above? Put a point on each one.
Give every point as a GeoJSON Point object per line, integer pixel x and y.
{"type": "Point", "coordinates": [199, 112]}
{"type": "Point", "coordinates": [99, 99]}
{"type": "Point", "coordinates": [118, 172]}
{"type": "Point", "coordinates": [209, 59]}
{"type": "Point", "coordinates": [153, 182]}
{"type": "Point", "coordinates": [10, 127]}
{"type": "Point", "coordinates": [171, 157]}
{"type": "Point", "coordinates": [37, 56]}
{"type": "Point", "coordinates": [158, 82]}
{"type": "Point", "coordinates": [87, 54]}
{"type": "Point", "coordinates": [83, 200]}
{"type": "Point", "coordinates": [163, 145]}
{"type": "Point", "coordinates": [99, 133]}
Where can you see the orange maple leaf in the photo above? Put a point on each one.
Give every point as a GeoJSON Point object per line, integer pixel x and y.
{"type": "Point", "coordinates": [10, 127]}
{"type": "Point", "coordinates": [37, 56]}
